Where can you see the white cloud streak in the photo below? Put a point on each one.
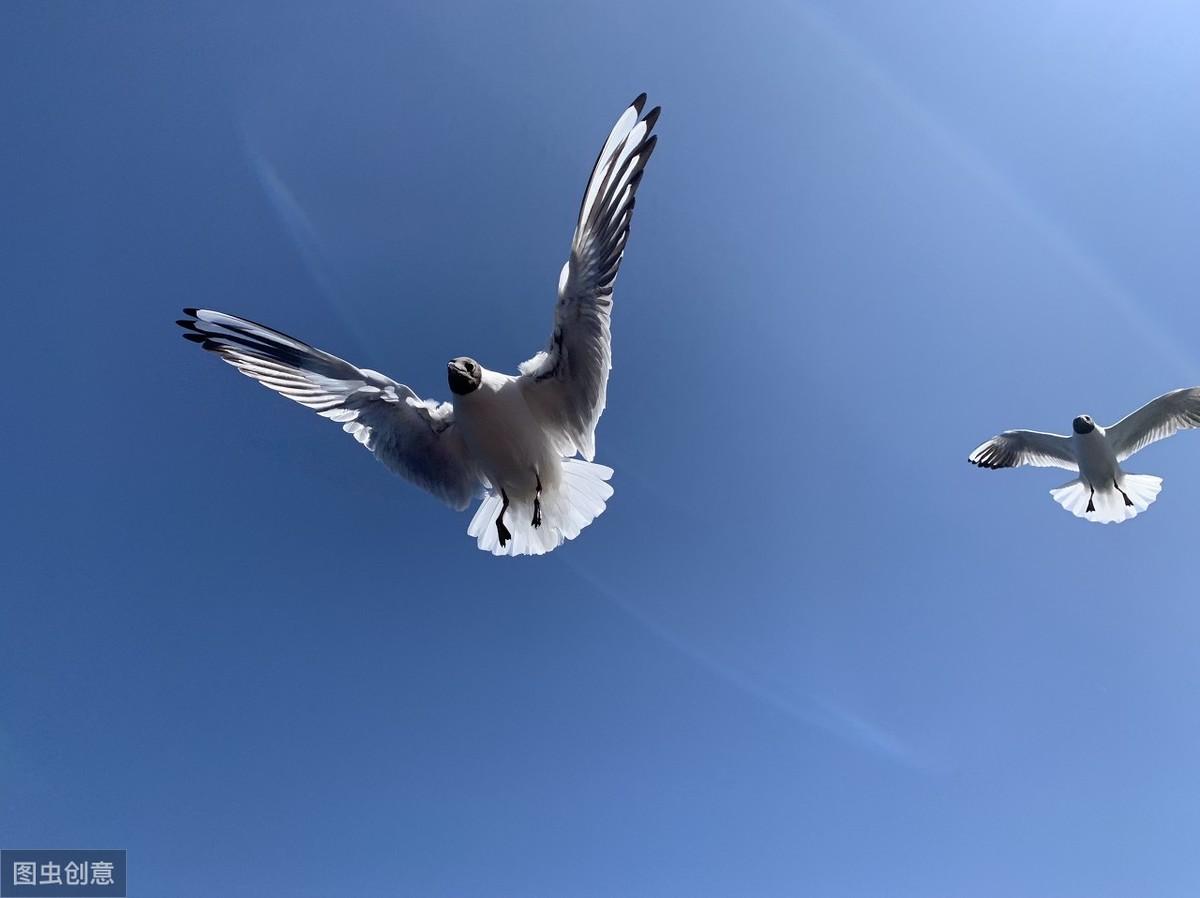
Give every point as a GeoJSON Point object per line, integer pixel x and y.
{"type": "Point", "coordinates": [822, 713]}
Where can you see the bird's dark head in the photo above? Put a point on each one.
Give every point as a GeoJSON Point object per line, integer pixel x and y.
{"type": "Point", "coordinates": [1083, 424]}
{"type": "Point", "coordinates": [465, 375]}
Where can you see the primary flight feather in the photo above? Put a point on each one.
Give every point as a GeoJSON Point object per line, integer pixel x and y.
{"type": "Point", "coordinates": [1103, 492]}
{"type": "Point", "coordinates": [511, 439]}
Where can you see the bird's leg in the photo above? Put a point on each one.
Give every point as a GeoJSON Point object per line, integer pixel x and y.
{"type": "Point", "coordinates": [537, 501]}
{"type": "Point", "coordinates": [1091, 505]}
{"type": "Point", "coordinates": [1122, 492]}
{"type": "Point", "coordinates": [501, 530]}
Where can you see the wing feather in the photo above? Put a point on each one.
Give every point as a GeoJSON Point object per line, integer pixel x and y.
{"type": "Point", "coordinates": [414, 437]}
{"type": "Point", "coordinates": [1156, 420]}
{"type": "Point", "coordinates": [1025, 447]}
{"type": "Point", "coordinates": [566, 384]}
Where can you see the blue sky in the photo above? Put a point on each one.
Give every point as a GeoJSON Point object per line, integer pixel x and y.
{"type": "Point", "coordinates": [808, 650]}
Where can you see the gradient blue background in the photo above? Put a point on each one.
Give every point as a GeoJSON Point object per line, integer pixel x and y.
{"type": "Point", "coordinates": [808, 650]}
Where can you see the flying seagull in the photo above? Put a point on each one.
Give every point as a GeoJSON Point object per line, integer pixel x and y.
{"type": "Point", "coordinates": [1103, 492]}
{"type": "Point", "coordinates": [510, 439]}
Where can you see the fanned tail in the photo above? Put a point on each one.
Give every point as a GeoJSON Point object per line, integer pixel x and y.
{"type": "Point", "coordinates": [579, 499]}
{"type": "Point", "coordinates": [1142, 489]}
{"type": "Point", "coordinates": [1108, 506]}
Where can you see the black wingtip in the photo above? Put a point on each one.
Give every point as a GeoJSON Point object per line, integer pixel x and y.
{"type": "Point", "coordinates": [191, 312]}
{"type": "Point", "coordinates": [639, 102]}
{"type": "Point", "coordinates": [652, 117]}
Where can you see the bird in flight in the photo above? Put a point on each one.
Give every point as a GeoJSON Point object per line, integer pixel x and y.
{"type": "Point", "coordinates": [1103, 492]}
{"type": "Point", "coordinates": [510, 439]}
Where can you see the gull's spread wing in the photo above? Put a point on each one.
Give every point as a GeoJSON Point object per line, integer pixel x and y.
{"type": "Point", "coordinates": [1025, 447]}
{"type": "Point", "coordinates": [415, 438]}
{"type": "Point", "coordinates": [565, 384]}
{"type": "Point", "coordinates": [1156, 420]}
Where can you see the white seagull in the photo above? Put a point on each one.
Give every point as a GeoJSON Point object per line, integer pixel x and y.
{"type": "Point", "coordinates": [1103, 492]}
{"type": "Point", "coordinates": [508, 438]}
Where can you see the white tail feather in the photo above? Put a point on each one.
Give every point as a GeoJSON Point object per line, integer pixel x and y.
{"type": "Point", "coordinates": [578, 500]}
{"type": "Point", "coordinates": [1109, 505]}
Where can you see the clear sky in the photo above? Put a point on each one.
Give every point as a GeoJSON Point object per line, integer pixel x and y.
{"type": "Point", "coordinates": [808, 650]}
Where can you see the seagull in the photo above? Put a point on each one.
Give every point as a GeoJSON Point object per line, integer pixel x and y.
{"type": "Point", "coordinates": [1103, 492]}
{"type": "Point", "coordinates": [512, 440]}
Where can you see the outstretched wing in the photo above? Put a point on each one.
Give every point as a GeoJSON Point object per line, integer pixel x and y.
{"type": "Point", "coordinates": [415, 438]}
{"type": "Point", "coordinates": [1156, 420]}
{"type": "Point", "coordinates": [565, 385]}
{"type": "Point", "coordinates": [1025, 447]}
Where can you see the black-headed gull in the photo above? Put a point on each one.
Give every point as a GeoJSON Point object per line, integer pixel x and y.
{"type": "Point", "coordinates": [1103, 492]}
{"type": "Point", "coordinates": [508, 438]}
